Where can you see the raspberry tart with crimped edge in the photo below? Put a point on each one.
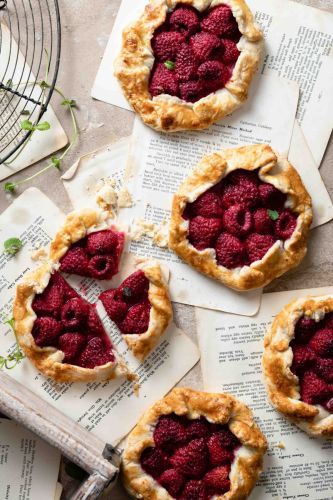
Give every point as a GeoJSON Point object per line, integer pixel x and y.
{"type": "Point", "coordinates": [298, 364]}
{"type": "Point", "coordinates": [193, 444]}
{"type": "Point", "coordinates": [185, 65]}
{"type": "Point", "coordinates": [242, 217]}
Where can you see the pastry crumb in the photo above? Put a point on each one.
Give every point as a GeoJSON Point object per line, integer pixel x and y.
{"type": "Point", "coordinates": [157, 233]}
{"type": "Point", "coordinates": [160, 238]}
{"type": "Point", "coordinates": [38, 254]}
{"type": "Point", "coordinates": [280, 445]}
{"type": "Point", "coordinates": [110, 198]}
{"type": "Point", "coordinates": [124, 198]}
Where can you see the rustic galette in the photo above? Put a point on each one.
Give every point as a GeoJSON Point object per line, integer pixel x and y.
{"type": "Point", "coordinates": [298, 364]}
{"type": "Point", "coordinates": [61, 332]}
{"type": "Point", "coordinates": [242, 217]}
{"type": "Point", "coordinates": [193, 445]}
{"type": "Point", "coordinates": [187, 64]}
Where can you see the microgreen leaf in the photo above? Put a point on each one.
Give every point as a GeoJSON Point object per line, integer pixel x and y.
{"type": "Point", "coordinates": [169, 65]}
{"type": "Point", "coordinates": [9, 82]}
{"type": "Point", "coordinates": [273, 214]}
{"type": "Point", "coordinates": [69, 102]}
{"type": "Point", "coordinates": [27, 125]}
{"type": "Point", "coordinates": [12, 246]}
{"type": "Point", "coordinates": [43, 126]}
{"type": "Point", "coordinates": [127, 292]}
{"type": "Point", "coordinates": [15, 356]}
{"type": "Point", "coordinates": [10, 187]}
{"type": "Point", "coordinates": [44, 84]}
{"type": "Point", "coordinates": [56, 162]}
{"type": "Point", "coordinates": [25, 112]}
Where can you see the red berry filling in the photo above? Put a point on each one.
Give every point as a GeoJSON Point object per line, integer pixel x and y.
{"type": "Point", "coordinates": [194, 52]}
{"type": "Point", "coordinates": [241, 218]}
{"type": "Point", "coordinates": [191, 459]}
{"type": "Point", "coordinates": [313, 360]}
{"type": "Point", "coordinates": [128, 305]}
{"type": "Point", "coordinates": [96, 256]}
{"type": "Point", "coordinates": [69, 323]}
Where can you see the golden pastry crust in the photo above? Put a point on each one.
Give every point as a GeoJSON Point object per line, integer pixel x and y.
{"type": "Point", "coordinates": [217, 408]}
{"type": "Point", "coordinates": [281, 384]}
{"type": "Point", "coordinates": [48, 360]}
{"type": "Point", "coordinates": [169, 113]}
{"type": "Point", "coordinates": [272, 169]}
{"type": "Point", "coordinates": [160, 313]}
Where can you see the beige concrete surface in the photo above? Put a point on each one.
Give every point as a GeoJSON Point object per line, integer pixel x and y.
{"type": "Point", "coordinates": [86, 25]}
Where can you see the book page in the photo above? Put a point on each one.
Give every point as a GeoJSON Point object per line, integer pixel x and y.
{"type": "Point", "coordinates": [295, 466]}
{"type": "Point", "coordinates": [109, 409]}
{"type": "Point", "coordinates": [42, 143]}
{"type": "Point", "coordinates": [29, 467]}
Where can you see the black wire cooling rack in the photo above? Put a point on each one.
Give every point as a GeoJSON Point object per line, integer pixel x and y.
{"type": "Point", "coordinates": [30, 45]}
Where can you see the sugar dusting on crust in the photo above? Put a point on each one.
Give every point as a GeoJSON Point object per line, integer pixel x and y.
{"type": "Point", "coordinates": [110, 197]}
{"type": "Point", "coordinates": [157, 233]}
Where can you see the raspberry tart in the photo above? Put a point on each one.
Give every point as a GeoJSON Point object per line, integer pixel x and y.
{"type": "Point", "coordinates": [186, 65]}
{"type": "Point", "coordinates": [298, 364]}
{"type": "Point", "coordinates": [140, 307]}
{"type": "Point", "coordinates": [193, 445]}
{"type": "Point", "coordinates": [242, 217]}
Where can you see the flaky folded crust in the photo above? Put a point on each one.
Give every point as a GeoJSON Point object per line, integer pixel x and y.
{"type": "Point", "coordinates": [217, 408]}
{"type": "Point", "coordinates": [282, 385]}
{"type": "Point", "coordinates": [48, 360]}
{"type": "Point", "coordinates": [160, 313]}
{"type": "Point", "coordinates": [169, 113]}
{"type": "Point", "coordinates": [272, 169]}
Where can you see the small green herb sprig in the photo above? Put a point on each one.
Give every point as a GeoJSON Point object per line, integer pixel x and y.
{"type": "Point", "coordinates": [12, 245]}
{"type": "Point", "coordinates": [273, 214]}
{"type": "Point", "coordinates": [9, 362]}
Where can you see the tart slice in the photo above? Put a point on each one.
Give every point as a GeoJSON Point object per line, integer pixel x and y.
{"type": "Point", "coordinates": [60, 332]}
{"type": "Point", "coordinates": [242, 217]}
{"type": "Point", "coordinates": [194, 445]}
{"type": "Point", "coordinates": [81, 247]}
{"type": "Point", "coordinates": [140, 307]}
{"type": "Point", "coordinates": [185, 65]}
{"type": "Point", "coordinates": [298, 364]}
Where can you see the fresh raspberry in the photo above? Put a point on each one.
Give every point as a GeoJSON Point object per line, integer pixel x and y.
{"type": "Point", "coordinates": [230, 251]}
{"type": "Point", "coordinates": [163, 81]}
{"type": "Point", "coordinates": [271, 197]}
{"type": "Point", "coordinates": [263, 224]}
{"type": "Point", "coordinates": [324, 369]}
{"type": "Point", "coordinates": [74, 314]}
{"type": "Point", "coordinates": [71, 344]}
{"type": "Point", "coordinates": [169, 432]}
{"type": "Point", "coordinates": [218, 453]}
{"type": "Point", "coordinates": [257, 245]}
{"type": "Point", "coordinates": [172, 481]}
{"type": "Point", "coordinates": [203, 231]}
{"type": "Point", "coordinates": [154, 461]}
{"type": "Point", "coordinates": [313, 389]}
{"type": "Point", "coordinates": [102, 267]}
{"type": "Point", "coordinates": [304, 329]}
{"type": "Point", "coordinates": [245, 194]}
{"type": "Point", "coordinates": [329, 320]}
{"type": "Point", "coordinates": [207, 205]}
{"type": "Point", "coordinates": [45, 331]}
{"type": "Point", "coordinates": [303, 359]}
{"type": "Point", "coordinates": [220, 21]}
{"type": "Point", "coordinates": [226, 438]}
{"type": "Point", "coordinates": [114, 305]}
{"type": "Point", "coordinates": [186, 66]}
{"type": "Point", "coordinates": [49, 302]}
{"type": "Point", "coordinates": [237, 221]}
{"type": "Point", "coordinates": [214, 75]}
{"type": "Point", "coordinates": [285, 225]}
{"type": "Point", "coordinates": [192, 459]}
{"type": "Point", "coordinates": [231, 53]}
{"type": "Point", "coordinates": [75, 261]}
{"type": "Point", "coordinates": [67, 291]}
{"type": "Point", "coordinates": [94, 324]}
{"type": "Point", "coordinates": [95, 354]}
{"type": "Point", "coordinates": [197, 429]}
{"type": "Point", "coordinates": [191, 91]}
{"type": "Point", "coordinates": [217, 480]}
{"type": "Point", "coordinates": [206, 46]}
{"type": "Point", "coordinates": [166, 45]}
{"type": "Point", "coordinates": [322, 342]}
{"type": "Point", "coordinates": [101, 242]}
{"type": "Point", "coordinates": [194, 490]}
{"type": "Point", "coordinates": [134, 287]}
{"type": "Point", "coordinates": [137, 319]}
{"type": "Point", "coordinates": [185, 20]}
{"type": "Point", "coordinates": [242, 177]}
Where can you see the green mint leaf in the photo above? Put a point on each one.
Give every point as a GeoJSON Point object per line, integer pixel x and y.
{"type": "Point", "coordinates": [169, 65]}
{"type": "Point", "coordinates": [27, 125]}
{"type": "Point", "coordinates": [71, 103]}
{"type": "Point", "coordinates": [56, 162]}
{"type": "Point", "coordinates": [43, 126]}
{"type": "Point", "coordinates": [25, 112]}
{"type": "Point", "coordinates": [10, 187]}
{"type": "Point", "coordinates": [127, 292]}
{"type": "Point", "coordinates": [273, 214]}
{"type": "Point", "coordinates": [44, 85]}
{"type": "Point", "coordinates": [9, 322]}
{"type": "Point", "coordinates": [12, 245]}
{"type": "Point", "coordinates": [9, 82]}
